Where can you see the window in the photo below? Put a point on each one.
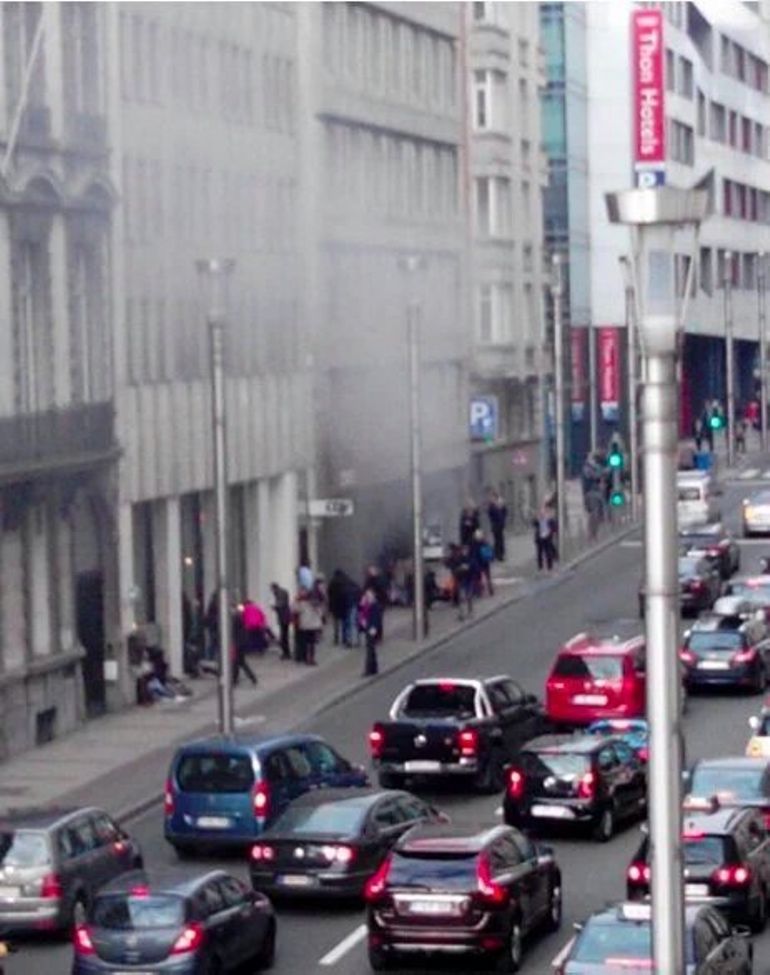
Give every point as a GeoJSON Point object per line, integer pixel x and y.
{"type": "Point", "coordinates": [80, 57]}
{"type": "Point", "coordinates": [746, 134]}
{"type": "Point", "coordinates": [670, 70]}
{"type": "Point", "coordinates": [33, 338]}
{"type": "Point", "coordinates": [495, 311]}
{"type": "Point", "coordinates": [717, 125]}
{"type": "Point", "coordinates": [480, 11]}
{"type": "Point", "coordinates": [706, 270]}
{"type": "Point", "coordinates": [489, 100]}
{"type": "Point", "coordinates": [485, 329]}
{"type": "Point", "coordinates": [493, 206]}
{"type": "Point", "coordinates": [701, 113]}
{"type": "Point", "coordinates": [682, 143]}
{"type": "Point", "coordinates": [685, 78]}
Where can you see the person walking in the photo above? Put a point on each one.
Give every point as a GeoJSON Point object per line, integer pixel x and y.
{"type": "Point", "coordinates": [482, 555]}
{"type": "Point", "coordinates": [308, 622]}
{"type": "Point", "coordinates": [256, 631]}
{"type": "Point", "coordinates": [469, 522]}
{"type": "Point", "coordinates": [371, 612]}
{"type": "Point", "coordinates": [282, 610]}
{"type": "Point", "coordinates": [545, 527]}
{"type": "Point", "coordinates": [497, 512]}
{"type": "Point", "coordinates": [339, 596]}
{"type": "Point", "coordinates": [376, 581]}
{"type": "Point", "coordinates": [239, 638]}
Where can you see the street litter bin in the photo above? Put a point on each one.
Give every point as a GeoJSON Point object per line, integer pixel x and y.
{"type": "Point", "coordinates": [704, 460]}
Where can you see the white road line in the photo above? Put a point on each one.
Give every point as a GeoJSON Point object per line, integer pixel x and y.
{"type": "Point", "coordinates": [346, 945]}
{"type": "Point", "coordinates": [747, 475]}
{"type": "Point", "coordinates": [766, 473]}
{"type": "Point", "coordinates": [631, 543]}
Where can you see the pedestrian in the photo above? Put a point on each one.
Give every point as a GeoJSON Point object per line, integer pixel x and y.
{"type": "Point", "coordinates": [307, 623]}
{"type": "Point", "coordinates": [211, 626]}
{"type": "Point", "coordinates": [305, 576]}
{"type": "Point", "coordinates": [372, 611]}
{"type": "Point", "coordinates": [255, 629]}
{"type": "Point", "coordinates": [497, 512]}
{"type": "Point", "coordinates": [482, 555]}
{"type": "Point", "coordinates": [545, 527]}
{"type": "Point", "coordinates": [740, 436]}
{"type": "Point", "coordinates": [238, 648]}
{"type": "Point", "coordinates": [697, 432]}
{"type": "Point", "coordinates": [282, 610]}
{"type": "Point", "coordinates": [469, 522]}
{"type": "Point", "coordinates": [375, 580]}
{"type": "Point", "coordinates": [339, 599]}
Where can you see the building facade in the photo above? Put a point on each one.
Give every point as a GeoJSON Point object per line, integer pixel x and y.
{"type": "Point", "coordinates": [382, 112]}
{"type": "Point", "coordinates": [507, 175]}
{"type": "Point", "coordinates": [58, 600]}
{"type": "Point", "coordinates": [205, 98]}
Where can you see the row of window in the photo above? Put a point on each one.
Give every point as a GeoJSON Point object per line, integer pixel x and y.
{"type": "Point", "coordinates": [715, 269]}
{"type": "Point", "coordinates": [496, 313]}
{"type": "Point", "coordinates": [679, 74]}
{"type": "Point", "coordinates": [379, 53]}
{"type": "Point", "coordinates": [389, 174]}
{"type": "Point", "coordinates": [188, 202]}
{"type": "Point", "coordinates": [742, 65]}
{"type": "Point", "coordinates": [494, 205]}
{"type": "Point", "coordinates": [206, 76]}
{"type": "Point", "coordinates": [681, 143]}
{"type": "Point", "coordinates": [492, 102]}
{"type": "Point", "coordinates": [745, 202]}
{"type": "Point", "coordinates": [731, 128]}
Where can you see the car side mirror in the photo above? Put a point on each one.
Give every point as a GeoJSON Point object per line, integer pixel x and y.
{"type": "Point", "coordinates": [742, 931]}
{"type": "Point", "coordinates": [686, 634]}
{"type": "Point", "coordinates": [754, 723]}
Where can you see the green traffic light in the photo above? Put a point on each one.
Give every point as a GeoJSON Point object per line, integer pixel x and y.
{"type": "Point", "coordinates": [615, 459]}
{"type": "Point", "coordinates": [617, 499]}
{"type": "Point", "coordinates": [715, 422]}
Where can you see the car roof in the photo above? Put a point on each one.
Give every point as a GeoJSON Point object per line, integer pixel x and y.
{"type": "Point", "coordinates": [711, 622]}
{"type": "Point", "coordinates": [719, 821]}
{"type": "Point", "coordinates": [448, 838]}
{"type": "Point", "coordinates": [35, 818]}
{"type": "Point", "coordinates": [167, 880]}
{"type": "Point", "coordinates": [360, 798]}
{"type": "Point", "coordinates": [590, 644]}
{"type": "Point", "coordinates": [243, 742]}
{"type": "Point", "coordinates": [567, 743]}
{"type": "Point", "coordinates": [734, 761]}
{"type": "Point", "coordinates": [612, 913]}
{"type": "Point", "coordinates": [708, 528]}
{"type": "Point", "coordinates": [459, 681]}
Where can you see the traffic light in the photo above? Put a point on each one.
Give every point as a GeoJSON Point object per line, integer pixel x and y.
{"type": "Point", "coordinates": [617, 499]}
{"type": "Point", "coordinates": [615, 458]}
{"type": "Point", "coordinates": [716, 421]}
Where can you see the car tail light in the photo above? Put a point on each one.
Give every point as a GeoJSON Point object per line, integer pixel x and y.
{"type": "Point", "coordinates": [81, 940]}
{"type": "Point", "coordinates": [261, 800]}
{"type": "Point", "coordinates": [515, 783]}
{"type": "Point", "coordinates": [468, 743]}
{"type": "Point", "coordinates": [587, 786]}
{"type": "Point", "coordinates": [50, 887]}
{"type": "Point", "coordinates": [261, 852]}
{"type": "Point", "coordinates": [490, 891]}
{"type": "Point", "coordinates": [766, 818]}
{"type": "Point", "coordinates": [732, 875]}
{"type": "Point", "coordinates": [376, 884]}
{"type": "Point", "coordinates": [688, 657]}
{"type": "Point", "coordinates": [376, 742]}
{"type": "Point", "coordinates": [744, 656]}
{"type": "Point", "coordinates": [714, 551]}
{"type": "Point", "coordinates": [168, 798]}
{"type": "Point", "coordinates": [189, 940]}
{"type": "Point", "coordinates": [638, 873]}
{"type": "Point", "coordinates": [643, 753]}
{"type": "Point", "coordinates": [140, 890]}
{"type": "Point", "coordinates": [695, 583]}
{"type": "Point", "coordinates": [338, 854]}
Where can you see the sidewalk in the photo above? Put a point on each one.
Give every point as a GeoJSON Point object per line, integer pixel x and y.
{"type": "Point", "coordinates": [119, 761]}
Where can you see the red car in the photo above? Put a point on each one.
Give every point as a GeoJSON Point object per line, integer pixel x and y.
{"type": "Point", "coordinates": [597, 677]}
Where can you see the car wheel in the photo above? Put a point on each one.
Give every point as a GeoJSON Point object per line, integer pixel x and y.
{"type": "Point", "coordinates": [266, 955]}
{"type": "Point", "coordinates": [511, 957]}
{"type": "Point", "coordinates": [553, 920]}
{"type": "Point", "coordinates": [390, 780]}
{"type": "Point", "coordinates": [604, 827]}
{"type": "Point", "coordinates": [759, 914]}
{"type": "Point", "coordinates": [378, 960]}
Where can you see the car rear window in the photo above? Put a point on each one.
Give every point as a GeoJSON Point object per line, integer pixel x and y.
{"type": "Point", "coordinates": [599, 667]}
{"type": "Point", "coordinates": [758, 594]}
{"type": "Point", "coordinates": [722, 640]}
{"type": "Point", "coordinates": [437, 699]}
{"type": "Point", "coordinates": [23, 848]}
{"type": "Point", "coordinates": [729, 783]}
{"type": "Point", "coordinates": [704, 850]}
{"type": "Point", "coordinates": [331, 819]}
{"type": "Point", "coordinates": [625, 941]}
{"type": "Point", "coordinates": [125, 912]}
{"type": "Point", "coordinates": [689, 493]}
{"type": "Point", "coordinates": [563, 765]}
{"type": "Point", "coordinates": [447, 871]}
{"type": "Point", "coordinates": [215, 772]}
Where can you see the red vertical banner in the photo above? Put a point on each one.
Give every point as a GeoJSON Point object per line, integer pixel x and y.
{"type": "Point", "coordinates": [649, 94]}
{"type": "Point", "coordinates": [609, 371]}
{"type": "Point", "coordinates": [577, 371]}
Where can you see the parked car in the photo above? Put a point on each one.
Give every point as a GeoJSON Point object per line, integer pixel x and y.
{"type": "Point", "coordinates": [448, 891]}
{"type": "Point", "coordinates": [455, 727]}
{"type": "Point", "coordinates": [170, 922]}
{"type": "Point", "coordinates": [52, 862]}
{"type": "Point", "coordinates": [329, 842]}
{"type": "Point", "coordinates": [226, 791]}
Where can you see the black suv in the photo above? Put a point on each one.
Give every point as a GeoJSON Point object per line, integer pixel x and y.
{"type": "Point", "coordinates": [727, 863]}
{"type": "Point", "coordinates": [727, 651]}
{"type": "Point", "coordinates": [52, 863]}
{"type": "Point", "coordinates": [575, 779]}
{"type": "Point", "coordinates": [459, 891]}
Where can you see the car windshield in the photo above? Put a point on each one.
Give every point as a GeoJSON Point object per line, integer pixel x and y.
{"type": "Point", "coordinates": [441, 698]}
{"type": "Point", "coordinates": [209, 772]}
{"type": "Point", "coordinates": [735, 783]}
{"type": "Point", "coordinates": [341, 818]}
{"type": "Point", "coordinates": [715, 640]}
{"type": "Point", "coordinates": [603, 941]}
{"type": "Point", "coordinates": [703, 850]}
{"type": "Point", "coordinates": [23, 848]}
{"type": "Point", "coordinates": [126, 912]}
{"type": "Point", "coordinates": [598, 667]}
{"type": "Point", "coordinates": [761, 497]}
{"type": "Point", "coordinates": [764, 726]}
{"type": "Point", "coordinates": [444, 871]}
{"type": "Point", "coordinates": [689, 567]}
{"type": "Point", "coordinates": [563, 765]}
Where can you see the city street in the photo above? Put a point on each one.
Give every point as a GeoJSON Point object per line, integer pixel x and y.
{"type": "Point", "coordinates": [520, 640]}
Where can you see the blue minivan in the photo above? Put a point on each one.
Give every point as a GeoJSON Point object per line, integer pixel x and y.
{"type": "Point", "coordinates": [223, 791]}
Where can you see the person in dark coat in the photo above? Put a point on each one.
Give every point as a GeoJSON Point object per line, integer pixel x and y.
{"type": "Point", "coordinates": [282, 610]}
{"type": "Point", "coordinates": [376, 581]}
{"type": "Point", "coordinates": [469, 522]}
{"type": "Point", "coordinates": [372, 612]}
{"type": "Point", "coordinates": [545, 529]}
{"type": "Point", "coordinates": [497, 512]}
{"type": "Point", "coordinates": [339, 600]}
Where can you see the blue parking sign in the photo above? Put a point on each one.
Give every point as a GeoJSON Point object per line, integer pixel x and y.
{"type": "Point", "coordinates": [484, 418]}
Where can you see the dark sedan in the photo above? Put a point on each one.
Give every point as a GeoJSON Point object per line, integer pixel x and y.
{"type": "Point", "coordinates": [175, 923]}
{"type": "Point", "coordinates": [700, 585]}
{"type": "Point", "coordinates": [727, 651]}
{"type": "Point", "coordinates": [329, 842]}
{"type": "Point", "coordinates": [714, 543]}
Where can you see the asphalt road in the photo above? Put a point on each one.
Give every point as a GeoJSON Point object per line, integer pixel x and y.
{"type": "Point", "coordinates": [521, 641]}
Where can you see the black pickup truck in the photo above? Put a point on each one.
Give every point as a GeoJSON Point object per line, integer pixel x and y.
{"type": "Point", "coordinates": [455, 727]}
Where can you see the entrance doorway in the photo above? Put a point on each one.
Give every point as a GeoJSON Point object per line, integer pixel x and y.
{"type": "Point", "coordinates": [89, 620]}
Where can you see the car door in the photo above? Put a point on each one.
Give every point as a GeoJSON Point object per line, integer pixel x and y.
{"type": "Point", "coordinates": [245, 923]}
{"type": "Point", "coordinates": [726, 952]}
{"type": "Point", "coordinates": [296, 776]}
{"type": "Point", "coordinates": [218, 921]}
{"type": "Point", "coordinates": [541, 873]}
{"type": "Point", "coordinates": [610, 773]}
{"type": "Point", "coordinates": [525, 713]}
{"type": "Point", "coordinates": [89, 862]}
{"type": "Point", "coordinates": [502, 727]}
{"type": "Point", "coordinates": [329, 770]}
{"type": "Point", "coordinates": [509, 869]}
{"type": "Point", "coordinates": [634, 784]}
{"type": "Point", "coordinates": [390, 823]}
{"type": "Point", "coordinates": [116, 852]}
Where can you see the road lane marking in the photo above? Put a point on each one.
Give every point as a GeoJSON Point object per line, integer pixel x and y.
{"type": "Point", "coordinates": [748, 474]}
{"type": "Point", "coordinates": [346, 945]}
{"type": "Point", "coordinates": [631, 543]}
{"type": "Point", "coordinates": [766, 473]}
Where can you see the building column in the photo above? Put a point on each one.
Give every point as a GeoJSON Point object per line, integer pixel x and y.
{"type": "Point", "coordinates": [251, 540]}
{"type": "Point", "coordinates": [285, 545]}
{"type": "Point", "coordinates": [62, 384]}
{"type": "Point", "coordinates": [52, 45]}
{"type": "Point", "coordinates": [169, 581]}
{"type": "Point", "coordinates": [265, 547]}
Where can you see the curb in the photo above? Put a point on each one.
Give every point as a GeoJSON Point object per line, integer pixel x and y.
{"type": "Point", "coordinates": [425, 648]}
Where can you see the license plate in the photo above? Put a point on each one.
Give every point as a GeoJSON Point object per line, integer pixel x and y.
{"type": "Point", "coordinates": [296, 880]}
{"type": "Point", "coordinates": [432, 908]}
{"type": "Point", "coordinates": [422, 766]}
{"type": "Point", "coordinates": [714, 665]}
{"type": "Point", "coordinates": [8, 892]}
{"type": "Point", "coordinates": [589, 699]}
{"type": "Point", "coordinates": [214, 822]}
{"type": "Point", "coordinates": [551, 812]}
{"type": "Point", "coordinates": [696, 890]}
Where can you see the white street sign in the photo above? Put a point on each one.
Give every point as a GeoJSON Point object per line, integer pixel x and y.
{"type": "Point", "coordinates": [330, 508]}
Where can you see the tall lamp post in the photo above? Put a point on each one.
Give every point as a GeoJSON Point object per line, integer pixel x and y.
{"type": "Point", "coordinates": [729, 356]}
{"type": "Point", "coordinates": [657, 217]}
{"type": "Point", "coordinates": [412, 264]}
{"type": "Point", "coordinates": [633, 425]}
{"type": "Point", "coordinates": [762, 316]}
{"type": "Point", "coordinates": [556, 285]}
{"type": "Point", "coordinates": [214, 274]}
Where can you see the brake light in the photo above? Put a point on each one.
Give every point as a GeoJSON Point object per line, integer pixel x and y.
{"type": "Point", "coordinates": [189, 940]}
{"type": "Point", "coordinates": [262, 852]}
{"type": "Point", "coordinates": [643, 753]}
{"type": "Point", "coordinates": [447, 686]}
{"type": "Point", "coordinates": [376, 884]}
{"type": "Point", "coordinates": [695, 583]}
{"type": "Point", "coordinates": [168, 798]}
{"type": "Point", "coordinates": [638, 873]}
{"type": "Point", "coordinates": [376, 742]}
{"type": "Point", "coordinates": [515, 783]}
{"type": "Point", "coordinates": [261, 800]}
{"type": "Point", "coordinates": [50, 887]}
{"type": "Point", "coordinates": [81, 939]}
{"type": "Point", "coordinates": [141, 890]}
{"type": "Point", "coordinates": [732, 876]}
{"type": "Point", "coordinates": [714, 550]}
{"type": "Point", "coordinates": [688, 657]}
{"type": "Point", "coordinates": [468, 742]}
{"type": "Point", "coordinates": [766, 818]}
{"type": "Point", "coordinates": [587, 786]}
{"type": "Point", "coordinates": [338, 854]}
{"type": "Point", "coordinates": [490, 891]}
{"type": "Point", "coordinates": [744, 656]}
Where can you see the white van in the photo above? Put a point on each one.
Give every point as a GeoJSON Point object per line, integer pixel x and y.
{"type": "Point", "coordinates": [696, 501]}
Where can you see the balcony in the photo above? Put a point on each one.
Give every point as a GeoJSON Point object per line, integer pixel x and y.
{"type": "Point", "coordinates": [36, 444]}
{"type": "Point", "coordinates": [497, 361]}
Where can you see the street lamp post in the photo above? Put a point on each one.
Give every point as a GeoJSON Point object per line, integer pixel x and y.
{"type": "Point", "coordinates": [633, 423]}
{"type": "Point", "coordinates": [412, 265]}
{"type": "Point", "coordinates": [214, 274]}
{"type": "Point", "coordinates": [656, 216]}
{"type": "Point", "coordinates": [729, 356]}
{"type": "Point", "coordinates": [762, 316]}
{"type": "Point", "coordinates": [557, 290]}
